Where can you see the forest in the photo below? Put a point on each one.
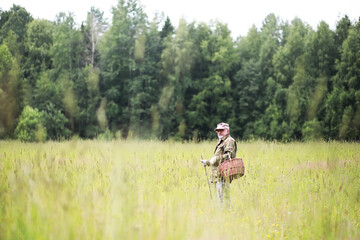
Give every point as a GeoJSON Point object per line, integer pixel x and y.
{"type": "Point", "coordinates": [135, 77]}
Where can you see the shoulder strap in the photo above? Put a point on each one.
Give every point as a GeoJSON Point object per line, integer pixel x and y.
{"type": "Point", "coordinates": [235, 147]}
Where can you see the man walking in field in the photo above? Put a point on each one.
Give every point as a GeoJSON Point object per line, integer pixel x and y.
{"type": "Point", "coordinates": [226, 148]}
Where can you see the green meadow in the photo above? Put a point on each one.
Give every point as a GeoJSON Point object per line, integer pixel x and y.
{"type": "Point", "coordinates": [130, 189]}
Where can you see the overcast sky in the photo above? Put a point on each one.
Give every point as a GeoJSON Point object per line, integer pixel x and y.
{"type": "Point", "coordinates": [240, 15]}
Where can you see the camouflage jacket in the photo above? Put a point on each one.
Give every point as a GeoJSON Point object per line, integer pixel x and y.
{"type": "Point", "coordinates": [225, 146]}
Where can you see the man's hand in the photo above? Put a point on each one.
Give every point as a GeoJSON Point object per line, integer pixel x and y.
{"type": "Point", "coordinates": [212, 160]}
{"type": "Point", "coordinates": [205, 162]}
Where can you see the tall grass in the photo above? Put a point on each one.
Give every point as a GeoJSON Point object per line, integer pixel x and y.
{"type": "Point", "coordinates": [158, 190]}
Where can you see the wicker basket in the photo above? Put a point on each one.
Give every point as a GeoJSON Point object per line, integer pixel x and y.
{"type": "Point", "coordinates": [232, 169]}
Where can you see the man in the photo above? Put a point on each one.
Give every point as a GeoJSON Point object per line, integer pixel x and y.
{"type": "Point", "coordinates": [226, 148]}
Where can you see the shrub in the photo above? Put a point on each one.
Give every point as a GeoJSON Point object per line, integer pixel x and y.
{"type": "Point", "coordinates": [311, 130]}
{"type": "Point", "coordinates": [31, 126]}
{"type": "Point", "coordinates": [55, 123]}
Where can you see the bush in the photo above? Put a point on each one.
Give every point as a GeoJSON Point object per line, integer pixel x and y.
{"type": "Point", "coordinates": [31, 126]}
{"type": "Point", "coordinates": [55, 123]}
{"type": "Point", "coordinates": [311, 130]}
{"type": "Point", "coordinates": [107, 135]}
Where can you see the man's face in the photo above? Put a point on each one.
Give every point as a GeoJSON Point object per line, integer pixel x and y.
{"type": "Point", "coordinates": [222, 132]}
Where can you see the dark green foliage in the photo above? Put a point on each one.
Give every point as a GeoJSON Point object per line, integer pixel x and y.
{"type": "Point", "coordinates": [126, 37]}
{"type": "Point", "coordinates": [10, 91]}
{"type": "Point", "coordinates": [144, 88]}
{"type": "Point", "coordinates": [67, 45]}
{"type": "Point", "coordinates": [55, 123]}
{"type": "Point", "coordinates": [312, 130]}
{"type": "Point", "coordinates": [38, 44]}
{"type": "Point", "coordinates": [151, 79]}
{"type": "Point", "coordinates": [15, 20]}
{"type": "Point", "coordinates": [47, 91]}
{"type": "Point", "coordinates": [86, 89]}
{"type": "Point", "coordinates": [92, 32]}
{"type": "Point", "coordinates": [341, 33]}
{"type": "Point", "coordinates": [249, 89]}
{"type": "Point", "coordinates": [342, 105]}
{"type": "Point", "coordinates": [166, 29]}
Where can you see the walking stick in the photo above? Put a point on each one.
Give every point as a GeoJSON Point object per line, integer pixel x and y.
{"type": "Point", "coordinates": [207, 178]}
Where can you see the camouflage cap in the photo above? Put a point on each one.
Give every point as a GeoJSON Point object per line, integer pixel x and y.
{"type": "Point", "coordinates": [222, 126]}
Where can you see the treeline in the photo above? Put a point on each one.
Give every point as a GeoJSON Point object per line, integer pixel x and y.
{"type": "Point", "coordinates": [146, 78]}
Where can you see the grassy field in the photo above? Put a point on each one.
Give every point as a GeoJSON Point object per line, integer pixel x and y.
{"type": "Point", "coordinates": [158, 190]}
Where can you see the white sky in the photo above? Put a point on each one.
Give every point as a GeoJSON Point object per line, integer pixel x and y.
{"type": "Point", "coordinates": [240, 15]}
